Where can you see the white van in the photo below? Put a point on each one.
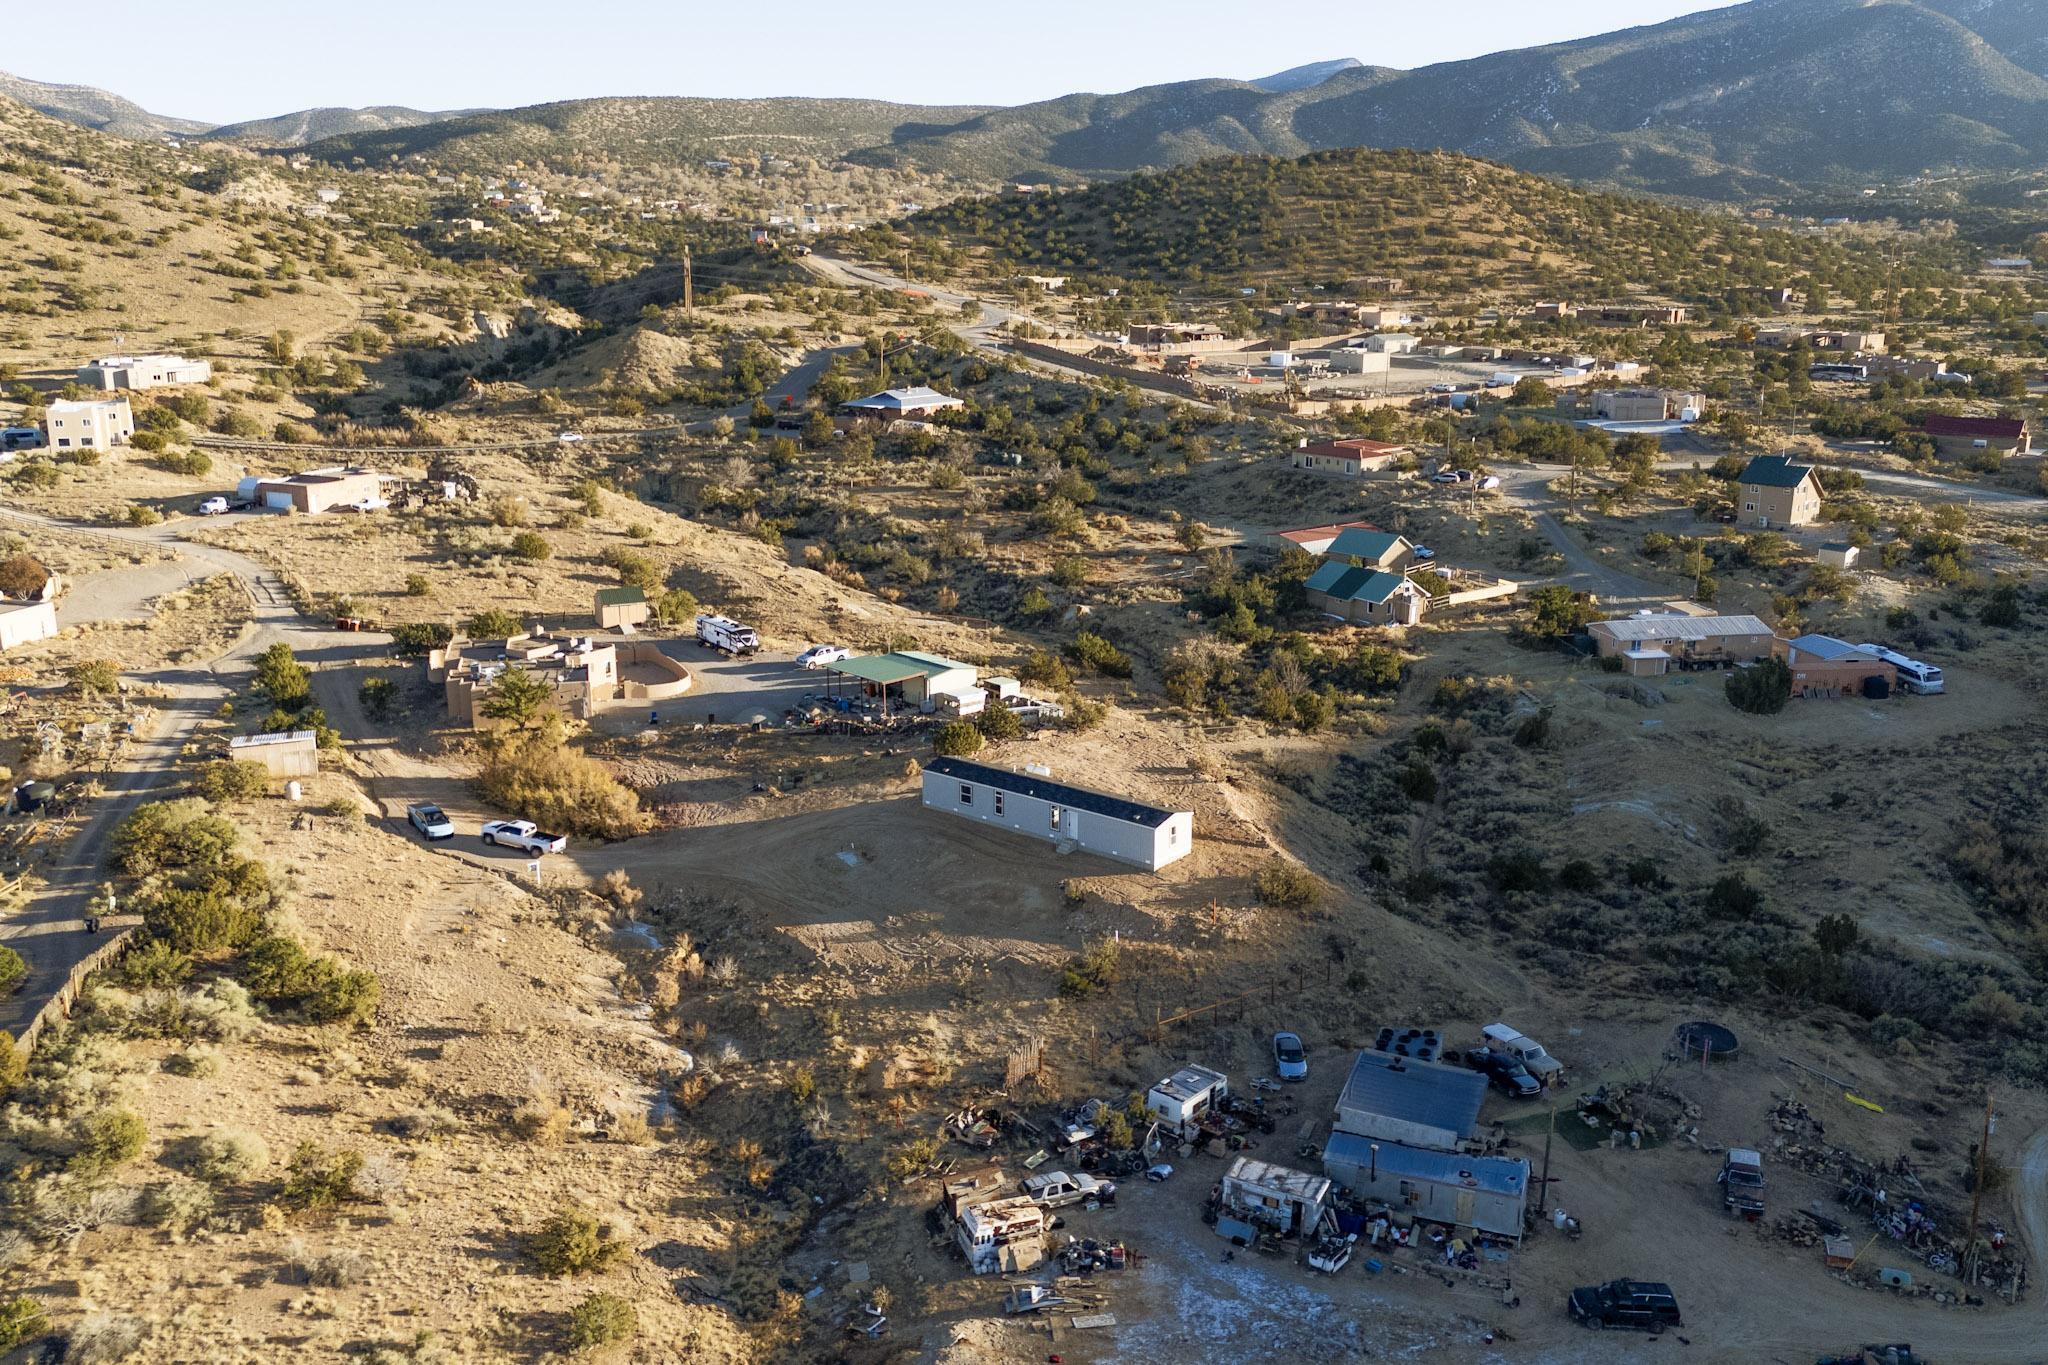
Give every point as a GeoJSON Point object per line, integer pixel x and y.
{"type": "Point", "coordinates": [1914, 676]}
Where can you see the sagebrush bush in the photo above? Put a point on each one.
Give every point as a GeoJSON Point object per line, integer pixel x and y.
{"type": "Point", "coordinates": [105, 1337]}
{"type": "Point", "coordinates": [539, 777]}
{"type": "Point", "coordinates": [177, 1206]}
{"type": "Point", "coordinates": [321, 1180]}
{"type": "Point", "coordinates": [957, 739]}
{"type": "Point", "coordinates": [225, 780]}
{"type": "Point", "coordinates": [107, 1139]}
{"type": "Point", "coordinates": [21, 1320]}
{"type": "Point", "coordinates": [573, 1242]}
{"type": "Point", "coordinates": [1286, 884]}
{"type": "Point", "coordinates": [228, 1157]}
{"type": "Point", "coordinates": [601, 1320]}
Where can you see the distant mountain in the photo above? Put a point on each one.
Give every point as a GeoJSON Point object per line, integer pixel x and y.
{"type": "Point", "coordinates": [1752, 99]}
{"type": "Point", "coordinates": [650, 130]}
{"type": "Point", "coordinates": [312, 125]}
{"type": "Point", "coordinates": [89, 108]}
{"type": "Point", "coordinates": [1305, 77]}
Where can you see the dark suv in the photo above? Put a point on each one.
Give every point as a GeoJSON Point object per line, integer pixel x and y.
{"type": "Point", "coordinates": [1504, 1071]}
{"type": "Point", "coordinates": [1625, 1303]}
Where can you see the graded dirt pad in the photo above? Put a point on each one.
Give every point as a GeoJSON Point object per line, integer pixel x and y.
{"type": "Point", "coordinates": [489, 1003]}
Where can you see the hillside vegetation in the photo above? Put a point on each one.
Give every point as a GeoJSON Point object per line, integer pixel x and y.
{"type": "Point", "coordinates": [1441, 222]}
{"type": "Point", "coordinates": [646, 131]}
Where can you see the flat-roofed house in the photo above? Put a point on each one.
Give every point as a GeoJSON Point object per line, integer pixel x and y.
{"type": "Point", "coordinates": [313, 491]}
{"type": "Point", "coordinates": [88, 423]}
{"type": "Point", "coordinates": [143, 372]}
{"type": "Point", "coordinates": [1823, 666]}
{"type": "Point", "coordinates": [1777, 492]}
{"type": "Point", "coordinates": [1353, 456]}
{"type": "Point", "coordinates": [1651, 644]}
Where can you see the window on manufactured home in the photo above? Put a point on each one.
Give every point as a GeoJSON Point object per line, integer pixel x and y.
{"type": "Point", "coordinates": [1056, 813]}
{"type": "Point", "coordinates": [999, 803]}
{"type": "Point", "coordinates": [966, 795]}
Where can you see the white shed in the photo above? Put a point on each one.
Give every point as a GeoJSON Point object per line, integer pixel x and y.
{"type": "Point", "coordinates": [1278, 1198]}
{"type": "Point", "coordinates": [1186, 1095]}
{"type": "Point", "coordinates": [1070, 817]}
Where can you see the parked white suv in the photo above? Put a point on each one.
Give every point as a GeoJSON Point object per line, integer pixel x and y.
{"type": "Point", "coordinates": [523, 835]}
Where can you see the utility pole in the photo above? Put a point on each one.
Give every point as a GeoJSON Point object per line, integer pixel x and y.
{"type": "Point", "coordinates": [1977, 1186]}
{"type": "Point", "coordinates": [1543, 1190]}
{"type": "Point", "coordinates": [689, 287]}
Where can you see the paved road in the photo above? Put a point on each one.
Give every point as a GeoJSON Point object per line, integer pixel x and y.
{"type": "Point", "coordinates": [49, 930]}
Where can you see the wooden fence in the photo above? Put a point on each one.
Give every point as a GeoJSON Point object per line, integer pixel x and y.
{"type": "Point", "coordinates": [58, 1006]}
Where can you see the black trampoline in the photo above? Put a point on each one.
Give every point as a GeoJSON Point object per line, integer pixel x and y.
{"type": "Point", "coordinates": [1711, 1040]}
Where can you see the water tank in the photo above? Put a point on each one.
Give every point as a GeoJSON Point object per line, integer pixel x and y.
{"type": "Point", "coordinates": [293, 791]}
{"type": "Point", "coordinates": [1280, 360]}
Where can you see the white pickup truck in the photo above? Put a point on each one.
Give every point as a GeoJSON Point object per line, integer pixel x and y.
{"type": "Point", "coordinates": [1057, 1189]}
{"type": "Point", "coordinates": [523, 835]}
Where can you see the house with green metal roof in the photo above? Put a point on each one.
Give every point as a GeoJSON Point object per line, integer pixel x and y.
{"type": "Point", "coordinates": [618, 608]}
{"type": "Point", "coordinates": [1365, 596]}
{"type": "Point", "coordinates": [904, 677]}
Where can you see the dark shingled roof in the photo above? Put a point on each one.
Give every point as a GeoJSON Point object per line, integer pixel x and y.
{"type": "Point", "coordinates": [1057, 793]}
{"type": "Point", "coordinates": [1775, 471]}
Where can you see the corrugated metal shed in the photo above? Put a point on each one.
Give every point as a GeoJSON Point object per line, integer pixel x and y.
{"type": "Point", "coordinates": [1283, 1180]}
{"type": "Point", "coordinates": [1828, 648]}
{"type": "Point", "coordinates": [1638, 628]}
{"type": "Point", "coordinates": [895, 668]}
{"type": "Point", "coordinates": [1422, 1093]}
{"type": "Point", "coordinates": [1495, 1175]}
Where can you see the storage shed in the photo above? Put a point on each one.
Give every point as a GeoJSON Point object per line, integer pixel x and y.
{"type": "Point", "coordinates": [1403, 1099]}
{"type": "Point", "coordinates": [1070, 817]}
{"type": "Point", "coordinates": [1182, 1098]}
{"type": "Point", "coordinates": [293, 754]}
{"type": "Point", "coordinates": [1485, 1193]}
{"type": "Point", "coordinates": [1275, 1198]}
{"type": "Point", "coordinates": [618, 608]}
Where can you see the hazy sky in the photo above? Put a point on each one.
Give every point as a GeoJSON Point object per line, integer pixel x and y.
{"type": "Point", "coordinates": [228, 60]}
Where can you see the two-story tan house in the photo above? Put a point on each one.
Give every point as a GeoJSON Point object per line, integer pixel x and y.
{"type": "Point", "coordinates": [1773, 491]}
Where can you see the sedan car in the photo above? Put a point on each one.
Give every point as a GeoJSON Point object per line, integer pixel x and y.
{"type": "Point", "coordinates": [817, 656]}
{"type": "Point", "coordinates": [428, 819]}
{"type": "Point", "coordinates": [1290, 1059]}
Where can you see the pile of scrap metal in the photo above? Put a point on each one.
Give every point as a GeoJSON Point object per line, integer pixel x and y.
{"type": "Point", "coordinates": [1900, 1354]}
{"type": "Point", "coordinates": [1085, 1256]}
{"type": "Point", "coordinates": [868, 1321]}
{"type": "Point", "coordinates": [980, 1129]}
{"type": "Point", "coordinates": [1332, 1249]}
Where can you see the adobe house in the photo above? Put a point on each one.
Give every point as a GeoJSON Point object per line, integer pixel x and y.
{"type": "Point", "coordinates": [1352, 456]}
{"type": "Point", "coordinates": [1777, 492]}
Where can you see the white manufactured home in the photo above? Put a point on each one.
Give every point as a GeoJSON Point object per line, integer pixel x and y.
{"type": "Point", "coordinates": [1071, 817]}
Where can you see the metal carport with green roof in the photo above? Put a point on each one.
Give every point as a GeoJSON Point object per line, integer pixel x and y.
{"type": "Point", "coordinates": [906, 675]}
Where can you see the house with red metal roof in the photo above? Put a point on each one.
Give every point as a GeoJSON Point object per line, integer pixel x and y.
{"type": "Point", "coordinates": [1960, 436]}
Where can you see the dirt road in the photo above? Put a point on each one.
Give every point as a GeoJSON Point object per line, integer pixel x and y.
{"type": "Point", "coordinates": [49, 931]}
